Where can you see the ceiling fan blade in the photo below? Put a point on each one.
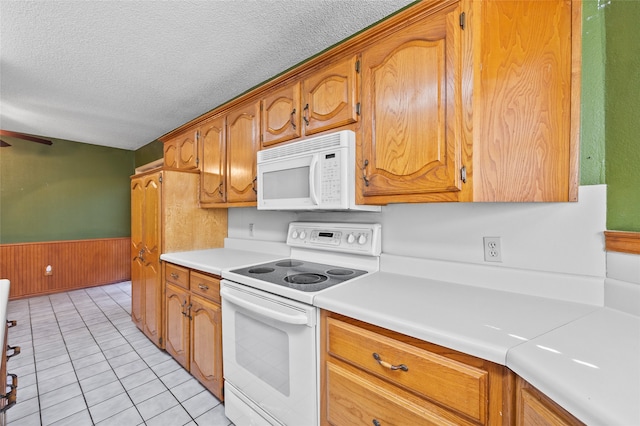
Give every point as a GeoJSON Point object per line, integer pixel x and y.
{"type": "Point", "coordinates": [29, 138]}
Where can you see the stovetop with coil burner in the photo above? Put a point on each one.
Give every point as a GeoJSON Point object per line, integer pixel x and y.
{"type": "Point", "coordinates": [300, 274]}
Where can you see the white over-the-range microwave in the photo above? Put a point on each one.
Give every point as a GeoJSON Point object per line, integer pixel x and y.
{"type": "Point", "coordinates": [312, 174]}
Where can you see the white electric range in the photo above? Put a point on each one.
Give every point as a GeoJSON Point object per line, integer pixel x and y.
{"type": "Point", "coordinates": [270, 332]}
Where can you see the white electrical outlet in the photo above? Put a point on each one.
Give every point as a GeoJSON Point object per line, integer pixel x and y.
{"type": "Point", "coordinates": [492, 249]}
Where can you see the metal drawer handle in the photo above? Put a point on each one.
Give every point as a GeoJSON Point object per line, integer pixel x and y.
{"type": "Point", "coordinates": [389, 366]}
{"type": "Point", "coordinates": [11, 397]}
{"type": "Point", "coordinates": [175, 276]}
{"type": "Point", "coordinates": [376, 422]}
{"type": "Point", "coordinates": [203, 287]}
{"type": "Point", "coordinates": [15, 349]}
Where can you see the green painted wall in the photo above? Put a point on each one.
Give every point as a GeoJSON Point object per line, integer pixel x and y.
{"type": "Point", "coordinates": [150, 152]}
{"type": "Point", "coordinates": [622, 107]}
{"type": "Point", "coordinates": [592, 117]}
{"type": "Point", "coordinates": [66, 191]}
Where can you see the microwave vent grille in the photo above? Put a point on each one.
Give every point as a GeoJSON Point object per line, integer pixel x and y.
{"type": "Point", "coordinates": [320, 143]}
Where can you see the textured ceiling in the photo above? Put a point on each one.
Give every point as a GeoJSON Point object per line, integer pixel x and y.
{"type": "Point", "coordinates": [123, 73]}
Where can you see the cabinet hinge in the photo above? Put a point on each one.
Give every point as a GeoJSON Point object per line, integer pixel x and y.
{"type": "Point", "coordinates": [358, 66]}
{"type": "Point", "coordinates": [197, 162]}
{"type": "Point", "coordinates": [463, 174]}
{"type": "Point", "coordinates": [160, 179]}
{"type": "Point", "coordinates": [358, 108]}
{"type": "Point", "coordinates": [463, 18]}
{"type": "Point", "coordinates": [160, 340]}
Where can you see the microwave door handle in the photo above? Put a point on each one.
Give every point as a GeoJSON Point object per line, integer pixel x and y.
{"type": "Point", "coordinates": [261, 310]}
{"type": "Point", "coordinates": [312, 179]}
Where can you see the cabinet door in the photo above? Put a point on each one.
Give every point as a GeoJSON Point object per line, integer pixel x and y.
{"type": "Point", "coordinates": [206, 344]}
{"type": "Point", "coordinates": [331, 97]}
{"type": "Point", "coordinates": [527, 100]}
{"type": "Point", "coordinates": [411, 110]}
{"type": "Point", "coordinates": [177, 324]}
{"type": "Point", "coordinates": [213, 158]}
{"type": "Point", "coordinates": [137, 206]}
{"type": "Point", "coordinates": [281, 115]}
{"type": "Point", "coordinates": [535, 408]}
{"type": "Point", "coordinates": [181, 152]}
{"type": "Point", "coordinates": [171, 153]}
{"type": "Point", "coordinates": [243, 131]}
{"type": "Point", "coordinates": [151, 270]}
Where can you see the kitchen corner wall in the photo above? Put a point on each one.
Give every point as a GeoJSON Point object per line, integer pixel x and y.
{"type": "Point", "coordinates": [546, 237]}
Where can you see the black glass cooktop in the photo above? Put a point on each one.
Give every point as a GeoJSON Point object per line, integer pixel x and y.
{"type": "Point", "coordinates": [300, 274]}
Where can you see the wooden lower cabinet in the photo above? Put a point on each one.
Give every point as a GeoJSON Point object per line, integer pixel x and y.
{"type": "Point", "coordinates": [194, 325]}
{"type": "Point", "coordinates": [374, 376]}
{"type": "Point", "coordinates": [533, 408]}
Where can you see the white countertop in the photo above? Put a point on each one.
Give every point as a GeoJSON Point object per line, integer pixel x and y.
{"type": "Point", "coordinates": [583, 356]}
{"type": "Point", "coordinates": [214, 261]}
{"type": "Point", "coordinates": [591, 367]}
{"type": "Point", "coordinates": [481, 322]}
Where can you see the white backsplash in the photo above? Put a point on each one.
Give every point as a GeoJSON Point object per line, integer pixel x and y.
{"type": "Point", "coordinates": [564, 238]}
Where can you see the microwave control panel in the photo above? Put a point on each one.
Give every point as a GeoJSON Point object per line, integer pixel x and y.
{"type": "Point", "coordinates": [331, 185]}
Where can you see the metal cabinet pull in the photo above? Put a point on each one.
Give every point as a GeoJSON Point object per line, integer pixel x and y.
{"type": "Point", "coordinates": [375, 422]}
{"type": "Point", "coordinates": [15, 349]}
{"type": "Point", "coordinates": [305, 116]}
{"type": "Point", "coordinates": [253, 184]}
{"type": "Point", "coordinates": [389, 366]}
{"type": "Point", "coordinates": [364, 173]}
{"type": "Point", "coordinates": [293, 124]}
{"type": "Point", "coordinates": [203, 287]}
{"type": "Point", "coordinates": [11, 397]}
{"type": "Point", "coordinates": [175, 276]}
{"type": "Point", "coordinates": [188, 315]}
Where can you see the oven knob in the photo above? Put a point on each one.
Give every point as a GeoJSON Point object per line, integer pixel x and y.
{"type": "Point", "coordinates": [303, 235]}
{"type": "Point", "coordinates": [351, 238]}
{"type": "Point", "coordinates": [294, 234]}
{"type": "Point", "coordinates": [362, 239]}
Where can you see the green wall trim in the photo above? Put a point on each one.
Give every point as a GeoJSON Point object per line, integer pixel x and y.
{"type": "Point", "coordinates": [66, 191]}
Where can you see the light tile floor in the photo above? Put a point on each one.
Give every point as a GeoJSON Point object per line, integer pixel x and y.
{"type": "Point", "coordinates": [83, 362]}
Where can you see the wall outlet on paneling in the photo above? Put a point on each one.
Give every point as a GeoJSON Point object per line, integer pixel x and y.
{"type": "Point", "coordinates": [48, 270]}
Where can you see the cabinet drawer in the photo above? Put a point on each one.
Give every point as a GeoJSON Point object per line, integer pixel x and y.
{"type": "Point", "coordinates": [206, 286]}
{"type": "Point", "coordinates": [458, 386]}
{"type": "Point", "coordinates": [177, 275]}
{"type": "Point", "coordinates": [355, 399]}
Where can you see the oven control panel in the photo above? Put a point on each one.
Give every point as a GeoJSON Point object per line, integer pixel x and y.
{"type": "Point", "coordinates": [357, 238]}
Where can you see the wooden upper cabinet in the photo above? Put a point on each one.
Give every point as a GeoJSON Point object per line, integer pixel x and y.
{"type": "Point", "coordinates": [213, 161]}
{"type": "Point", "coordinates": [243, 141]}
{"type": "Point", "coordinates": [411, 111]}
{"type": "Point", "coordinates": [330, 96]}
{"type": "Point", "coordinates": [181, 152]}
{"type": "Point", "coordinates": [526, 104]}
{"type": "Point", "coordinates": [281, 114]}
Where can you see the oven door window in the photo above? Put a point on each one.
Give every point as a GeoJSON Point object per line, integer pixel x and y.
{"type": "Point", "coordinates": [263, 350]}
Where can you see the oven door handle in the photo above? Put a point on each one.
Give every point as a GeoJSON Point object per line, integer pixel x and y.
{"type": "Point", "coordinates": [299, 319]}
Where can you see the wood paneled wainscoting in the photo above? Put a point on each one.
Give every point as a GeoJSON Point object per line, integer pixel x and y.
{"type": "Point", "coordinates": [74, 264]}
